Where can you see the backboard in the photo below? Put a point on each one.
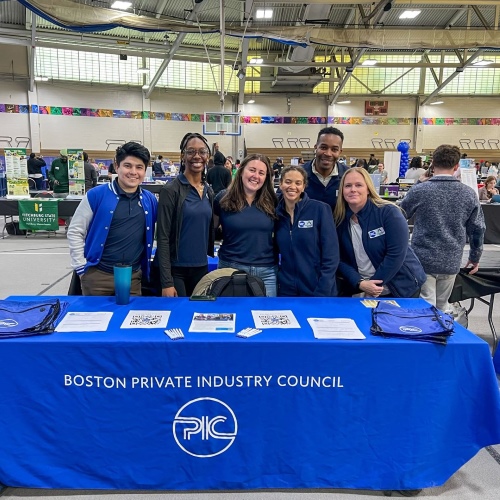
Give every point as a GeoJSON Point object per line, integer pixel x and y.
{"type": "Point", "coordinates": [221, 123]}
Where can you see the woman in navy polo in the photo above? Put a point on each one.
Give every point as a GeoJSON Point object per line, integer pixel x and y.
{"type": "Point", "coordinates": [185, 222]}
{"type": "Point", "coordinates": [375, 256]}
{"type": "Point", "coordinates": [306, 239]}
{"type": "Point", "coordinates": [246, 213]}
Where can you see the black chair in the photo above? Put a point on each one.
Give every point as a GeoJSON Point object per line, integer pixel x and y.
{"type": "Point", "coordinates": [480, 142]}
{"type": "Point", "coordinates": [494, 142]}
{"type": "Point", "coordinates": [464, 143]}
{"type": "Point", "coordinates": [277, 142]}
{"type": "Point", "coordinates": [377, 143]}
{"type": "Point", "coordinates": [293, 142]}
{"type": "Point", "coordinates": [390, 143]}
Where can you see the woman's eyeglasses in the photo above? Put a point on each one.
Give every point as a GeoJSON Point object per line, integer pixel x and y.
{"type": "Point", "coordinates": [192, 152]}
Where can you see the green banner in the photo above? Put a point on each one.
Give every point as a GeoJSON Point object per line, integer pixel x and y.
{"type": "Point", "coordinates": [39, 214]}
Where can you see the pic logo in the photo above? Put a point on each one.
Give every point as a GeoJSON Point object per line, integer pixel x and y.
{"type": "Point", "coordinates": [8, 323]}
{"type": "Point", "coordinates": [38, 207]}
{"type": "Point", "coordinates": [410, 329]}
{"type": "Point", "coordinates": [205, 427]}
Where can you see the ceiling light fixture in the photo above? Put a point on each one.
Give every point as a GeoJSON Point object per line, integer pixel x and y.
{"type": "Point", "coordinates": [483, 62]}
{"type": "Point", "coordinates": [264, 13]}
{"type": "Point", "coordinates": [369, 62]}
{"type": "Point", "coordinates": [436, 102]}
{"type": "Point", "coordinates": [251, 101]}
{"type": "Point", "coordinates": [121, 5]}
{"type": "Point", "coordinates": [410, 14]}
{"type": "Point", "coordinates": [143, 70]}
{"type": "Point", "coordinates": [256, 60]}
{"type": "Point", "coordinates": [41, 78]}
{"type": "Point", "coordinates": [343, 102]}
{"type": "Point", "coordinates": [145, 87]}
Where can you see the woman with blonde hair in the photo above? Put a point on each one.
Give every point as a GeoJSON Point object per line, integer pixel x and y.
{"type": "Point", "coordinates": [246, 213]}
{"type": "Point", "coordinates": [375, 256]}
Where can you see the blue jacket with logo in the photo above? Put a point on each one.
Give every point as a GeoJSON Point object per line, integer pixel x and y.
{"type": "Point", "coordinates": [309, 249]}
{"type": "Point", "coordinates": [317, 191]}
{"type": "Point", "coordinates": [89, 226]}
{"type": "Point", "coordinates": [385, 240]}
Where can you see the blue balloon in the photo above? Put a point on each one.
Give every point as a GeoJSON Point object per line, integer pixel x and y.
{"type": "Point", "coordinates": [404, 147]}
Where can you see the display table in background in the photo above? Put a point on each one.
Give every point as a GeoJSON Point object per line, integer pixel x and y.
{"type": "Point", "coordinates": [132, 409]}
{"type": "Point", "coordinates": [492, 219]}
{"type": "Point", "coordinates": [66, 207]}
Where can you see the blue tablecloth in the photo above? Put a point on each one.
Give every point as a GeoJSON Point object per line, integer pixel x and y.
{"type": "Point", "coordinates": [496, 361]}
{"type": "Point", "coordinates": [132, 409]}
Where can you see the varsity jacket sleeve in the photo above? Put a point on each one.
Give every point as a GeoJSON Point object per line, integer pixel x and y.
{"type": "Point", "coordinates": [329, 247]}
{"type": "Point", "coordinates": [166, 217]}
{"type": "Point", "coordinates": [77, 233]}
{"type": "Point", "coordinates": [396, 237]}
{"type": "Point", "coordinates": [475, 231]}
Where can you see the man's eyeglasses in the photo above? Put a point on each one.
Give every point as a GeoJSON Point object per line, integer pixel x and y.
{"type": "Point", "coordinates": [192, 152]}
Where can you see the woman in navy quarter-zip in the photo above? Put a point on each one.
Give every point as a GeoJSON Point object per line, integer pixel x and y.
{"type": "Point", "coordinates": [306, 238]}
{"type": "Point", "coordinates": [375, 256]}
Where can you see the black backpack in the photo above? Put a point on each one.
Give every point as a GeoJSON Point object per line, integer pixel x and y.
{"type": "Point", "coordinates": [233, 284]}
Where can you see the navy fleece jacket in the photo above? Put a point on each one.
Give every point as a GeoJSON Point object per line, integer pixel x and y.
{"type": "Point", "coordinates": [385, 240]}
{"type": "Point", "coordinates": [309, 250]}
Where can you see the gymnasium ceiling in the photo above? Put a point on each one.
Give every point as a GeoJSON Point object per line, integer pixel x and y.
{"type": "Point", "coordinates": [302, 38]}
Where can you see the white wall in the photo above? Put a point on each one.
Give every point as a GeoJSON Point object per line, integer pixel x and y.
{"type": "Point", "coordinates": [464, 107]}
{"type": "Point", "coordinates": [13, 124]}
{"type": "Point", "coordinates": [91, 133]}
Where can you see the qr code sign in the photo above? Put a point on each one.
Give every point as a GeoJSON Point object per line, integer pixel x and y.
{"type": "Point", "coordinates": [146, 319]}
{"type": "Point", "coordinates": [274, 319]}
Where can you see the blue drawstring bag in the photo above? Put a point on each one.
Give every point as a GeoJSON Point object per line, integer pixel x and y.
{"type": "Point", "coordinates": [427, 324]}
{"type": "Point", "coordinates": [35, 317]}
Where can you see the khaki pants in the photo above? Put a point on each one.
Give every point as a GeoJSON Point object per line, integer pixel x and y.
{"type": "Point", "coordinates": [437, 290]}
{"type": "Point", "coordinates": [97, 282]}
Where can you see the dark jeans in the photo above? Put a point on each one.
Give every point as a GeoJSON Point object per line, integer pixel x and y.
{"type": "Point", "coordinates": [186, 279]}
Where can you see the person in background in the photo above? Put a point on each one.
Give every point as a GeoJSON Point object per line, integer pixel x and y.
{"type": "Point", "coordinates": [158, 167]}
{"type": "Point", "coordinates": [112, 165]}
{"type": "Point", "coordinates": [185, 232]}
{"type": "Point", "coordinates": [115, 224]}
{"type": "Point", "coordinates": [277, 167]}
{"type": "Point", "coordinates": [219, 158]}
{"type": "Point", "coordinates": [384, 178]}
{"type": "Point", "coordinates": [219, 177]}
{"type": "Point", "coordinates": [324, 172]}
{"type": "Point", "coordinates": [415, 171]}
{"type": "Point", "coordinates": [90, 173]}
{"type": "Point", "coordinates": [228, 165]}
{"type": "Point", "coordinates": [493, 170]}
{"type": "Point", "coordinates": [372, 161]}
{"type": "Point", "coordinates": [306, 239]}
{"type": "Point", "coordinates": [59, 175]}
{"type": "Point", "coordinates": [35, 164]}
{"type": "Point", "coordinates": [301, 160]}
{"type": "Point", "coordinates": [375, 257]}
{"type": "Point", "coordinates": [246, 214]}
{"type": "Point", "coordinates": [235, 169]}
{"type": "Point", "coordinates": [426, 175]}
{"type": "Point", "coordinates": [446, 212]}
{"type": "Point", "coordinates": [210, 164]}
{"type": "Point", "coordinates": [489, 189]}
